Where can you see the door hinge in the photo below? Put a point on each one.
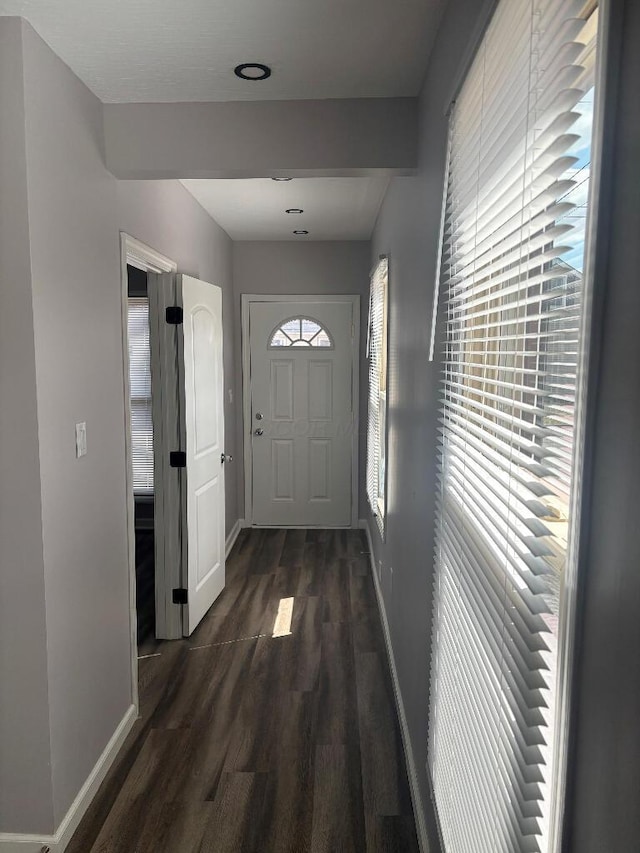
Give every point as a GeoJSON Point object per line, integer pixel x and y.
{"type": "Point", "coordinates": [181, 596]}
{"type": "Point", "coordinates": [177, 459]}
{"type": "Point", "coordinates": [174, 315]}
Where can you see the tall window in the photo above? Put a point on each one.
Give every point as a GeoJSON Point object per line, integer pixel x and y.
{"type": "Point", "coordinates": [377, 355]}
{"type": "Point", "coordinates": [140, 385]}
{"type": "Point", "coordinates": [514, 300]}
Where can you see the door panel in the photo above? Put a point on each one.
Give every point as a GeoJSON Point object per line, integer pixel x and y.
{"type": "Point", "coordinates": [282, 468]}
{"type": "Point", "coordinates": [282, 390]}
{"type": "Point", "coordinates": [207, 541]}
{"type": "Point", "coordinates": [319, 469]}
{"type": "Point", "coordinates": [204, 367]}
{"type": "Point", "coordinates": [302, 412]}
{"type": "Point", "coordinates": [320, 382]}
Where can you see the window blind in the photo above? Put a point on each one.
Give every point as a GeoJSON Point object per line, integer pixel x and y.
{"type": "Point", "coordinates": [140, 389]}
{"type": "Point", "coordinates": [513, 301]}
{"type": "Point", "coordinates": [377, 355]}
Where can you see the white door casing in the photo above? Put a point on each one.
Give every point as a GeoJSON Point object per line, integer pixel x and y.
{"type": "Point", "coordinates": [301, 410]}
{"type": "Point", "coordinates": [188, 416]}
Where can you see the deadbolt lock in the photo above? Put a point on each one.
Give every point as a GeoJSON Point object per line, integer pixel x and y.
{"type": "Point", "coordinates": [259, 416]}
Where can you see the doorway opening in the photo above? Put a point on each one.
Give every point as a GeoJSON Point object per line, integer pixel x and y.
{"type": "Point", "coordinates": [137, 261]}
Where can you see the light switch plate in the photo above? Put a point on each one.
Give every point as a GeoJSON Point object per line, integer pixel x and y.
{"type": "Point", "coordinates": [81, 439]}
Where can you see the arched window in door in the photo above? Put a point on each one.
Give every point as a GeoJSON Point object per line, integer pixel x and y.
{"type": "Point", "coordinates": [300, 332]}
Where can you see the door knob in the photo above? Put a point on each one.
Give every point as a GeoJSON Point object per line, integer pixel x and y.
{"type": "Point", "coordinates": [258, 432]}
{"type": "Point", "coordinates": [226, 457]}
{"type": "Point", "coordinates": [259, 416]}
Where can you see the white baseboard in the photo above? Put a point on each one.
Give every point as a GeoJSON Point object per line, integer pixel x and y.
{"type": "Point", "coordinates": [421, 826]}
{"type": "Point", "coordinates": [363, 524]}
{"type": "Point", "coordinates": [233, 535]}
{"type": "Point", "coordinates": [56, 843]}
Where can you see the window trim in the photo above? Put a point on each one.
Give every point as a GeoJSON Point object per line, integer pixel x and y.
{"type": "Point", "coordinates": [586, 404]}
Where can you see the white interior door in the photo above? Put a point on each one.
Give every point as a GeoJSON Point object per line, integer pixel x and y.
{"type": "Point", "coordinates": [204, 445]}
{"type": "Point", "coordinates": [302, 412]}
{"type": "Point", "coordinates": [188, 426]}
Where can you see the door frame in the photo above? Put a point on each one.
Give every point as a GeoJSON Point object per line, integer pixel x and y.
{"type": "Point", "coordinates": [143, 257]}
{"type": "Point", "coordinates": [246, 299]}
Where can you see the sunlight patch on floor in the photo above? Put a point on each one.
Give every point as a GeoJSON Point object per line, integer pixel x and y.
{"type": "Point", "coordinates": [282, 625]}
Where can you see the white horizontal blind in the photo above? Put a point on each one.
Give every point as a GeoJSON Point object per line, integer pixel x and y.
{"type": "Point", "coordinates": [513, 292]}
{"type": "Point", "coordinates": [377, 354]}
{"type": "Point", "coordinates": [140, 387]}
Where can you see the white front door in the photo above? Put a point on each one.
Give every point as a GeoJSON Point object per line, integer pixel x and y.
{"type": "Point", "coordinates": [303, 414]}
{"type": "Point", "coordinates": [204, 445]}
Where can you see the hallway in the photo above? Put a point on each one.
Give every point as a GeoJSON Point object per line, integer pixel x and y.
{"type": "Point", "coordinates": [249, 742]}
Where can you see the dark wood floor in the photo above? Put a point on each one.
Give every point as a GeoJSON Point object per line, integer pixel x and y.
{"type": "Point", "coordinates": [249, 742]}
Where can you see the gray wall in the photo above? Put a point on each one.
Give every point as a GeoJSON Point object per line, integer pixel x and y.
{"type": "Point", "coordinates": [64, 584]}
{"type": "Point", "coordinates": [261, 138]}
{"type": "Point", "coordinates": [301, 268]}
{"type": "Point", "coordinates": [76, 309]}
{"type": "Point", "coordinates": [408, 230]}
{"type": "Point", "coordinates": [25, 777]}
{"type": "Point", "coordinates": [166, 217]}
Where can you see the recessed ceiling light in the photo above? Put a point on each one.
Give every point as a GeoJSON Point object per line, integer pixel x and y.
{"type": "Point", "coordinates": [252, 71]}
{"type": "Point", "coordinates": [294, 210]}
{"type": "Point", "coordinates": [281, 179]}
{"type": "Point", "coordinates": [300, 232]}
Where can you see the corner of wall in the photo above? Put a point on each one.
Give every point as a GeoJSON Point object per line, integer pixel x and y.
{"type": "Point", "coordinates": [76, 324]}
{"type": "Point", "coordinates": [26, 796]}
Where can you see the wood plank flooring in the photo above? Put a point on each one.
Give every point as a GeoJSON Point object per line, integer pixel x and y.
{"type": "Point", "coordinates": [250, 743]}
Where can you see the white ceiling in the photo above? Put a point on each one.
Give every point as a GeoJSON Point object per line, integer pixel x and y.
{"type": "Point", "coordinates": [254, 208]}
{"type": "Point", "coordinates": [185, 50]}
